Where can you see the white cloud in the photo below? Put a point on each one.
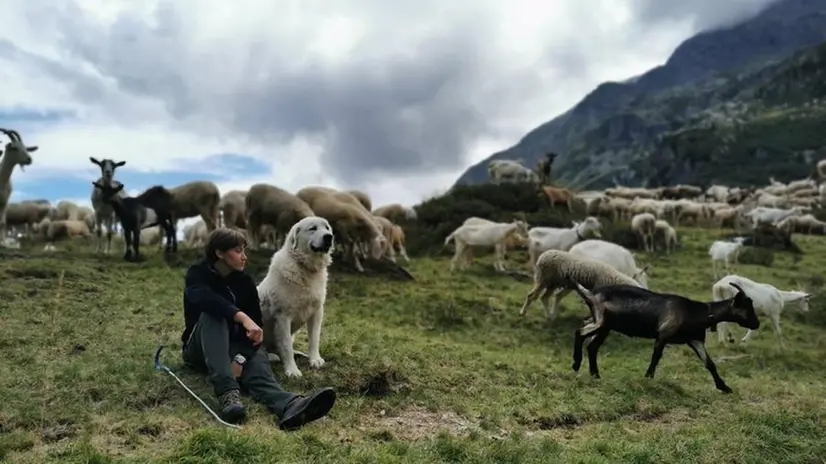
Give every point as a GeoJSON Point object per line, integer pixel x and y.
{"type": "Point", "coordinates": [164, 84]}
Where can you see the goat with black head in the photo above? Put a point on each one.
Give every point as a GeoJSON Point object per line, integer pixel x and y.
{"type": "Point", "coordinates": [104, 214]}
{"type": "Point", "coordinates": [149, 209]}
{"type": "Point", "coordinates": [667, 318]}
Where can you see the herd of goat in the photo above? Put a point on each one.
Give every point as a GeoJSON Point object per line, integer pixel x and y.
{"type": "Point", "coordinates": [603, 274]}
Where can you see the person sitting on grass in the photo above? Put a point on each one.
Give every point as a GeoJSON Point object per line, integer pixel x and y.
{"type": "Point", "coordinates": [223, 319]}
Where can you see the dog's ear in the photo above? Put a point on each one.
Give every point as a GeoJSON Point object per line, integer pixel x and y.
{"type": "Point", "coordinates": [294, 241]}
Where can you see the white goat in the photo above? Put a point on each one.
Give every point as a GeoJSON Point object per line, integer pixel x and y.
{"type": "Point", "coordinates": [768, 301]}
{"type": "Point", "coordinates": [541, 239]}
{"type": "Point", "coordinates": [491, 235]}
{"type": "Point", "coordinates": [764, 215]}
{"type": "Point", "coordinates": [16, 153]}
{"type": "Point", "coordinates": [726, 252]}
{"type": "Point", "coordinates": [104, 213]}
{"type": "Point", "coordinates": [616, 256]}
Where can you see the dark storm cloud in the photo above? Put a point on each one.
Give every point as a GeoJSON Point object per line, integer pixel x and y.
{"type": "Point", "coordinates": [705, 14]}
{"type": "Point", "coordinates": [414, 110]}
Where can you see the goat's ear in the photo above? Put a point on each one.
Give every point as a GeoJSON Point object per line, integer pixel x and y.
{"type": "Point", "coordinates": [94, 160]}
{"type": "Point", "coordinates": [32, 148]}
{"type": "Point", "coordinates": [120, 163]}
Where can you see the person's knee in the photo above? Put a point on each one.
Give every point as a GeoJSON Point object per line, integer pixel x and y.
{"type": "Point", "coordinates": [209, 323]}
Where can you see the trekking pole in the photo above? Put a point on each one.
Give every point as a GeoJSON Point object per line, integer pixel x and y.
{"type": "Point", "coordinates": [161, 367]}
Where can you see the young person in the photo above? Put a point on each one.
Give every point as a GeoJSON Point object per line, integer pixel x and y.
{"type": "Point", "coordinates": [223, 319]}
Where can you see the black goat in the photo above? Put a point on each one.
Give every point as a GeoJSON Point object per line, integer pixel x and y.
{"type": "Point", "coordinates": [667, 318]}
{"type": "Point", "coordinates": [149, 209]}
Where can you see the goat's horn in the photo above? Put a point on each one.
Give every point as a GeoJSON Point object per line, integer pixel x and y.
{"type": "Point", "coordinates": [16, 135]}
{"type": "Point", "coordinates": [12, 134]}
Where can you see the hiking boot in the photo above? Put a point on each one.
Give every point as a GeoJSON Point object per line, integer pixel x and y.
{"type": "Point", "coordinates": [232, 410]}
{"type": "Point", "coordinates": [305, 409]}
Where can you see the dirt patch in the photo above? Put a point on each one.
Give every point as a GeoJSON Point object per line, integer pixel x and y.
{"type": "Point", "coordinates": [418, 423]}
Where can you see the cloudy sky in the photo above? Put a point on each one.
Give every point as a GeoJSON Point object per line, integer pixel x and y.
{"type": "Point", "coordinates": [394, 98]}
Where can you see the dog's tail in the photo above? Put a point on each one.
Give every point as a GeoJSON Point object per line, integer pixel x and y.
{"type": "Point", "coordinates": [449, 238]}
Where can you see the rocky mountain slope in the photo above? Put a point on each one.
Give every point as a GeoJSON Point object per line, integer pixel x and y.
{"type": "Point", "coordinates": [733, 105]}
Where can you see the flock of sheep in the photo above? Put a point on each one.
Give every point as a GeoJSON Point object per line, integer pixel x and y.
{"type": "Point", "coordinates": [604, 274]}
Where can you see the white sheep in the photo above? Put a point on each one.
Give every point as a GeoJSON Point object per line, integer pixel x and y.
{"type": "Point", "coordinates": [541, 239]}
{"type": "Point", "coordinates": [726, 252]}
{"type": "Point", "coordinates": [104, 212]}
{"type": "Point", "coordinates": [510, 170]}
{"type": "Point", "coordinates": [555, 272]}
{"type": "Point", "coordinates": [616, 256]}
{"type": "Point", "coordinates": [644, 225]}
{"type": "Point", "coordinates": [16, 153]}
{"type": "Point", "coordinates": [668, 234]}
{"type": "Point", "coordinates": [768, 300]}
{"type": "Point", "coordinates": [489, 235]}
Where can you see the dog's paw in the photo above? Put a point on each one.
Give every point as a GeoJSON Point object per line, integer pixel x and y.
{"type": "Point", "coordinates": [316, 362]}
{"type": "Point", "coordinates": [292, 372]}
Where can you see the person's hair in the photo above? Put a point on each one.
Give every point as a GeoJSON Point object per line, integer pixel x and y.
{"type": "Point", "coordinates": [223, 239]}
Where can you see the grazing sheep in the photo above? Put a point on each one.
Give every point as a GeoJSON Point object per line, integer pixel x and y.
{"type": "Point", "coordinates": [614, 255]}
{"type": "Point", "coordinates": [67, 210]}
{"type": "Point", "coordinates": [195, 234]}
{"type": "Point", "coordinates": [26, 215]}
{"type": "Point", "coordinates": [557, 195]}
{"type": "Point", "coordinates": [768, 300]}
{"type": "Point", "coordinates": [363, 198]}
{"type": "Point", "coordinates": [397, 213]}
{"type": "Point", "coordinates": [726, 252]}
{"type": "Point", "coordinates": [15, 153]}
{"type": "Point", "coordinates": [197, 198]}
{"type": "Point", "coordinates": [509, 170]}
{"type": "Point", "coordinates": [394, 239]}
{"type": "Point", "coordinates": [644, 225]}
{"type": "Point", "coordinates": [542, 239]}
{"type": "Point", "coordinates": [667, 318]}
{"type": "Point", "coordinates": [663, 230]}
{"type": "Point", "coordinates": [270, 205]}
{"type": "Point", "coordinates": [487, 235]}
{"type": "Point", "coordinates": [104, 213]}
{"type": "Point", "coordinates": [555, 272]}
{"type": "Point", "coordinates": [151, 208]}
{"type": "Point", "coordinates": [233, 208]}
{"type": "Point", "coordinates": [352, 225]}
{"type": "Point", "coordinates": [63, 229]}
{"type": "Point", "coordinates": [397, 242]}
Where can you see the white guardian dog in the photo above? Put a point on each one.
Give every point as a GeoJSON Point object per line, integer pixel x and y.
{"type": "Point", "coordinates": [294, 290]}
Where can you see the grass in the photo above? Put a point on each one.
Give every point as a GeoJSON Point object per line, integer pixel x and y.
{"type": "Point", "coordinates": [438, 370]}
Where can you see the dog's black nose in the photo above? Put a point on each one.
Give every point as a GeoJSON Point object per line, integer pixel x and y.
{"type": "Point", "coordinates": [328, 239]}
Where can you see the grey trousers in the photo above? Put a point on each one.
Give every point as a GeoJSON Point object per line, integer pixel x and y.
{"type": "Point", "coordinates": [209, 348]}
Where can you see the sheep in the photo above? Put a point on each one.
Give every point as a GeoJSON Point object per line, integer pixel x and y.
{"type": "Point", "coordinates": [768, 300]}
{"type": "Point", "coordinates": [669, 235]}
{"type": "Point", "coordinates": [557, 195]}
{"type": "Point", "coordinates": [26, 215]}
{"type": "Point", "coordinates": [151, 208]}
{"type": "Point", "coordinates": [232, 207]}
{"type": "Point", "coordinates": [644, 225]}
{"type": "Point", "coordinates": [514, 240]}
{"type": "Point", "coordinates": [726, 252]}
{"type": "Point", "coordinates": [67, 210]}
{"type": "Point", "coordinates": [351, 225]}
{"type": "Point", "coordinates": [397, 213]}
{"type": "Point", "coordinates": [541, 239]}
{"type": "Point", "coordinates": [804, 224]}
{"type": "Point", "coordinates": [15, 153]}
{"type": "Point", "coordinates": [397, 242]}
{"type": "Point", "coordinates": [270, 205]}
{"type": "Point", "coordinates": [62, 229]}
{"type": "Point", "coordinates": [614, 255]}
{"type": "Point", "coordinates": [363, 198]}
{"type": "Point", "coordinates": [487, 235]}
{"type": "Point", "coordinates": [104, 213]}
{"type": "Point", "coordinates": [554, 271]}
{"type": "Point", "coordinates": [667, 318]}
{"type": "Point", "coordinates": [509, 170]}
{"type": "Point", "coordinates": [197, 198]}
{"type": "Point", "coordinates": [195, 234]}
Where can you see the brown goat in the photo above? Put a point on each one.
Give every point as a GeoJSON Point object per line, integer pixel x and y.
{"type": "Point", "coordinates": [557, 195]}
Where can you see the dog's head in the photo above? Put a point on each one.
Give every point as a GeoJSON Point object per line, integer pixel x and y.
{"type": "Point", "coordinates": [311, 235]}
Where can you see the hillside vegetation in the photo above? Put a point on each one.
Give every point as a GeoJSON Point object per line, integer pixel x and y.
{"type": "Point", "coordinates": [750, 96]}
{"type": "Point", "coordinates": [440, 369]}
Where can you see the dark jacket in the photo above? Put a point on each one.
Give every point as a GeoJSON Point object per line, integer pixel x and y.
{"type": "Point", "coordinates": [205, 290]}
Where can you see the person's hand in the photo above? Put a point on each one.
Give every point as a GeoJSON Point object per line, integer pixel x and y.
{"type": "Point", "coordinates": [254, 332]}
